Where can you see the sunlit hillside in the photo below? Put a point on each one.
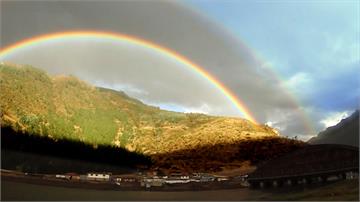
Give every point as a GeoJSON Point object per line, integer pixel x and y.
{"type": "Point", "coordinates": [64, 107]}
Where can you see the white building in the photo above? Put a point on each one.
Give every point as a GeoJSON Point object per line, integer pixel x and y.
{"type": "Point", "coordinates": [98, 176]}
{"type": "Point", "coordinates": [60, 176]}
{"type": "Point", "coordinates": [176, 181]}
{"type": "Point", "coordinates": [351, 175]}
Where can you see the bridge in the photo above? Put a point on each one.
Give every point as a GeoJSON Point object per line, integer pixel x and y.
{"type": "Point", "coordinates": [313, 163]}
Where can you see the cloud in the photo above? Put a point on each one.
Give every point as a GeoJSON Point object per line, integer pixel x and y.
{"type": "Point", "coordinates": [342, 50]}
{"type": "Point", "coordinates": [166, 23]}
{"type": "Point", "coordinates": [161, 81]}
{"type": "Point", "coordinates": [140, 72]}
{"type": "Point", "coordinates": [299, 82]}
{"type": "Point", "coordinates": [128, 88]}
{"type": "Point", "coordinates": [291, 122]}
{"type": "Point", "coordinates": [334, 118]}
{"type": "Point", "coordinates": [203, 109]}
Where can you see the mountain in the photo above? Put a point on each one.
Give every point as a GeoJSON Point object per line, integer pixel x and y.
{"type": "Point", "coordinates": [70, 118]}
{"type": "Point", "coordinates": [64, 107]}
{"type": "Point", "coordinates": [346, 132]}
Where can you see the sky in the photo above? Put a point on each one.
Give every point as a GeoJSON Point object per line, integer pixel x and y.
{"type": "Point", "coordinates": [312, 46]}
{"type": "Point", "coordinates": [294, 64]}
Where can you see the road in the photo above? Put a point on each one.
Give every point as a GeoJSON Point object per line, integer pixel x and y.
{"type": "Point", "coordinates": [342, 190]}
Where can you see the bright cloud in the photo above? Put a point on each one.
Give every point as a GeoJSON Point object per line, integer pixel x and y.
{"type": "Point", "coordinates": [341, 50]}
{"type": "Point", "coordinates": [334, 118]}
{"type": "Point", "coordinates": [204, 109]}
{"type": "Point", "coordinates": [299, 81]}
{"type": "Point", "coordinates": [128, 88]}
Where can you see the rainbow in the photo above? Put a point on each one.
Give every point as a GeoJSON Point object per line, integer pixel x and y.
{"type": "Point", "coordinates": [294, 101]}
{"type": "Point", "coordinates": [137, 41]}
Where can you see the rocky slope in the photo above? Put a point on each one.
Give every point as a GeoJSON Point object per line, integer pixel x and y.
{"type": "Point", "coordinates": [346, 132]}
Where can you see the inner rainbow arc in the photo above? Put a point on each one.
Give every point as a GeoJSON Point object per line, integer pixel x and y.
{"type": "Point", "coordinates": [141, 42]}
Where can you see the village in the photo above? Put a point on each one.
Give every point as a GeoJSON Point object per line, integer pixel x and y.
{"type": "Point", "coordinates": [146, 180]}
{"type": "Point", "coordinates": [338, 162]}
{"type": "Point", "coordinates": [153, 180]}
{"type": "Point", "coordinates": [156, 181]}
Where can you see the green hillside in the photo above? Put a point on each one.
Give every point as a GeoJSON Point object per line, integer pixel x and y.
{"type": "Point", "coordinates": [64, 107]}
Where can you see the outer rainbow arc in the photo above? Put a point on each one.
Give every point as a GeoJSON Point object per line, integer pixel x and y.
{"type": "Point", "coordinates": [116, 36]}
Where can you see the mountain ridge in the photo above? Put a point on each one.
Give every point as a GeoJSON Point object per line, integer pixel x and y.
{"type": "Point", "coordinates": [345, 132]}
{"type": "Point", "coordinates": [66, 107]}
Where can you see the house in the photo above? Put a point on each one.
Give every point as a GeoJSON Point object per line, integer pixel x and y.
{"type": "Point", "coordinates": [125, 180]}
{"type": "Point", "coordinates": [222, 178]}
{"type": "Point", "coordinates": [98, 176]}
{"type": "Point", "coordinates": [157, 182]}
{"type": "Point", "coordinates": [240, 178]}
{"type": "Point", "coordinates": [83, 177]}
{"type": "Point", "coordinates": [194, 179]}
{"type": "Point", "coordinates": [185, 177]}
{"type": "Point", "coordinates": [152, 173]}
{"type": "Point", "coordinates": [152, 182]}
{"type": "Point", "coordinates": [333, 178]}
{"type": "Point", "coordinates": [206, 178]}
{"type": "Point", "coordinates": [60, 176]}
{"type": "Point", "coordinates": [72, 176]}
{"type": "Point", "coordinates": [351, 175]}
{"type": "Point", "coordinates": [196, 175]}
{"type": "Point", "coordinates": [179, 175]}
{"type": "Point", "coordinates": [176, 181]}
{"type": "Point", "coordinates": [203, 177]}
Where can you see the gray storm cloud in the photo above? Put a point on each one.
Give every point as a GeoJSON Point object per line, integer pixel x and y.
{"type": "Point", "coordinates": [139, 71]}
{"type": "Point", "coordinates": [169, 24]}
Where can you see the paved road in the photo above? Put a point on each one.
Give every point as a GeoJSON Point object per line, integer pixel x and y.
{"type": "Point", "coordinates": [23, 191]}
{"type": "Point", "coordinates": [339, 191]}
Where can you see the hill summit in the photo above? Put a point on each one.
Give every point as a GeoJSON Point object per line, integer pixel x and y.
{"type": "Point", "coordinates": [64, 107]}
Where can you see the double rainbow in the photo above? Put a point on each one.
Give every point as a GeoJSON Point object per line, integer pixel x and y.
{"type": "Point", "coordinates": [137, 41]}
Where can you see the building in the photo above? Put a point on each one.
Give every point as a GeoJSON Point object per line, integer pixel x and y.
{"type": "Point", "coordinates": [177, 177]}
{"type": "Point", "coordinates": [60, 176]}
{"type": "Point", "coordinates": [222, 178]}
{"type": "Point", "coordinates": [204, 177]}
{"type": "Point", "coordinates": [176, 181]}
{"type": "Point", "coordinates": [152, 182]}
{"type": "Point", "coordinates": [72, 176]}
{"type": "Point", "coordinates": [98, 176]}
{"type": "Point", "coordinates": [83, 177]}
{"type": "Point", "coordinates": [240, 178]}
{"type": "Point", "coordinates": [125, 180]}
{"type": "Point", "coordinates": [351, 175]}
